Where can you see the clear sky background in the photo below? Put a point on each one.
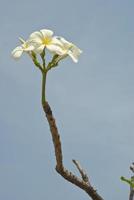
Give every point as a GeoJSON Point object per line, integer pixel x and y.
{"type": "Point", "coordinates": [93, 101]}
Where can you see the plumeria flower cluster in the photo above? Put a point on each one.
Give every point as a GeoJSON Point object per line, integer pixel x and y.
{"type": "Point", "coordinates": [41, 40]}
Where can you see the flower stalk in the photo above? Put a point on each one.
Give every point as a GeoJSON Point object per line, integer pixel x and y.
{"type": "Point", "coordinates": [44, 75]}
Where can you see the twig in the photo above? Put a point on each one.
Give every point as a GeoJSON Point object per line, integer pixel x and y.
{"type": "Point", "coordinates": [69, 176]}
{"type": "Point", "coordinates": [82, 172]}
{"type": "Point", "coordinates": [131, 195]}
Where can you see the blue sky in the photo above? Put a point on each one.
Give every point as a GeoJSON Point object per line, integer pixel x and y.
{"type": "Point", "coordinates": [93, 101]}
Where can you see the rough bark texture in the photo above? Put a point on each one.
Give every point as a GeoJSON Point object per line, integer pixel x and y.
{"type": "Point", "coordinates": [82, 182]}
{"type": "Point", "coordinates": [131, 195]}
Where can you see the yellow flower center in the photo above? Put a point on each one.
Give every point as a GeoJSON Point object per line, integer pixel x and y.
{"type": "Point", "coordinates": [47, 40]}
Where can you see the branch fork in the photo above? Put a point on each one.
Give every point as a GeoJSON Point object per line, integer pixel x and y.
{"type": "Point", "coordinates": [82, 182]}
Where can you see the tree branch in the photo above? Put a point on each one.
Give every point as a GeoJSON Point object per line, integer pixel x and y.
{"type": "Point", "coordinates": [82, 172]}
{"type": "Point", "coordinates": [69, 176]}
{"type": "Point", "coordinates": [131, 195]}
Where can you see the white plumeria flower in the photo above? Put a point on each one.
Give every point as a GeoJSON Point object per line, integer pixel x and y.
{"type": "Point", "coordinates": [43, 39]}
{"type": "Point", "coordinates": [25, 47]}
{"type": "Point", "coordinates": [69, 49]}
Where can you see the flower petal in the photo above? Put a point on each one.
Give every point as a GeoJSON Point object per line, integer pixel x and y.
{"type": "Point", "coordinates": [64, 42]}
{"type": "Point", "coordinates": [55, 49]}
{"type": "Point", "coordinates": [46, 33]}
{"type": "Point", "coordinates": [56, 41]}
{"type": "Point", "coordinates": [36, 37]}
{"type": "Point", "coordinates": [17, 52]}
{"type": "Point", "coordinates": [39, 49]}
{"type": "Point", "coordinates": [29, 48]}
{"type": "Point", "coordinates": [74, 58]}
{"type": "Point", "coordinates": [74, 52]}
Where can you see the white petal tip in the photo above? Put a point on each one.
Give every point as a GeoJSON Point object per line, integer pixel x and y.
{"type": "Point", "coordinates": [17, 52]}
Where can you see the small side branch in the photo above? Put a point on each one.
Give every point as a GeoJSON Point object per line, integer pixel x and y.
{"type": "Point", "coordinates": [69, 176]}
{"type": "Point", "coordinates": [82, 172]}
{"type": "Point", "coordinates": [131, 195]}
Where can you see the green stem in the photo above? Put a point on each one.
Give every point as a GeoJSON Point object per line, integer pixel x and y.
{"type": "Point", "coordinates": [43, 58]}
{"type": "Point", "coordinates": [44, 74]}
{"type": "Point", "coordinates": [35, 61]}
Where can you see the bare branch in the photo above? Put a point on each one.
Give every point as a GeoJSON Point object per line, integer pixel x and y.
{"type": "Point", "coordinates": [132, 167]}
{"type": "Point", "coordinates": [82, 172]}
{"type": "Point", "coordinates": [131, 195]}
{"type": "Point", "coordinates": [69, 176]}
